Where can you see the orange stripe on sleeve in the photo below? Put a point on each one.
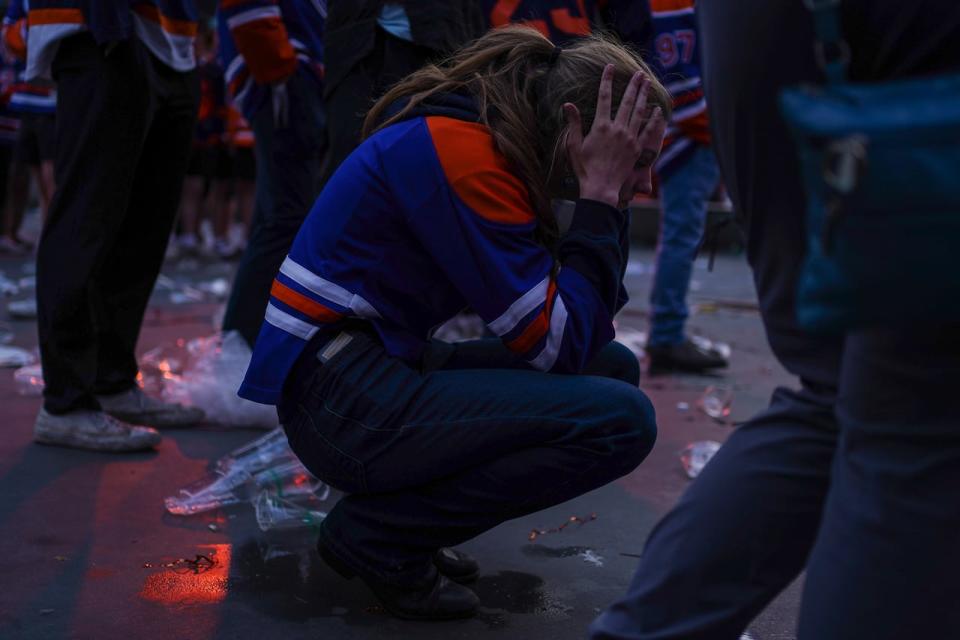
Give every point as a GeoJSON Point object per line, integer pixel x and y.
{"type": "Point", "coordinates": [36, 17]}
{"type": "Point", "coordinates": [303, 304]}
{"type": "Point", "coordinates": [478, 173]}
{"type": "Point", "coordinates": [536, 329]}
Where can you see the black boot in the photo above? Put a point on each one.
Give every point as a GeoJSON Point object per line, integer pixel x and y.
{"type": "Point", "coordinates": [436, 599]}
{"type": "Point", "coordinates": [685, 356]}
{"type": "Point", "coordinates": [456, 565]}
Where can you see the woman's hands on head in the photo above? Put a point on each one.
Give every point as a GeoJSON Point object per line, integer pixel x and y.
{"type": "Point", "coordinates": [613, 162]}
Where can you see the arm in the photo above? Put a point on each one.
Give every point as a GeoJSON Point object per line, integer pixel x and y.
{"type": "Point", "coordinates": [478, 226]}
{"type": "Point", "coordinates": [261, 38]}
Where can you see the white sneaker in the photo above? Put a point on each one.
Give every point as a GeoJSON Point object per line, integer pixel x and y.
{"type": "Point", "coordinates": [136, 407]}
{"type": "Point", "coordinates": [93, 430]}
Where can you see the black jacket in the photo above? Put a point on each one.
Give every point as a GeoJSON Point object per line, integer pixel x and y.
{"type": "Point", "coordinates": [438, 25]}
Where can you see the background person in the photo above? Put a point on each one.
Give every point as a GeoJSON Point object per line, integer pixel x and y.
{"type": "Point", "coordinates": [853, 476]}
{"type": "Point", "coordinates": [273, 56]}
{"type": "Point", "coordinates": [689, 175]}
{"type": "Point", "coordinates": [126, 104]}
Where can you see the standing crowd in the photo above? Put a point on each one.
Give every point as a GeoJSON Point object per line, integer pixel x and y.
{"type": "Point", "coordinates": [394, 163]}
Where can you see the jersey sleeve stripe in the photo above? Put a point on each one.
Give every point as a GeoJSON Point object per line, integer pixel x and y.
{"type": "Point", "coordinates": [558, 323]}
{"type": "Point", "coordinates": [285, 321]}
{"type": "Point", "coordinates": [326, 289]}
{"type": "Point", "coordinates": [536, 329]}
{"type": "Point", "coordinates": [310, 308]}
{"type": "Point", "coordinates": [521, 308]}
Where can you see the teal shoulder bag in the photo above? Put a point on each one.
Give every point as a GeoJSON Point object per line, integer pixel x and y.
{"type": "Point", "coordinates": [881, 170]}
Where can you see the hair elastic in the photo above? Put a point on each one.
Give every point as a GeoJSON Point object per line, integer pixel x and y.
{"type": "Point", "coordinates": [556, 54]}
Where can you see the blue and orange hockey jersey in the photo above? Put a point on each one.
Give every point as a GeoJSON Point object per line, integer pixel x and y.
{"type": "Point", "coordinates": [564, 20]}
{"type": "Point", "coordinates": [263, 42]}
{"type": "Point", "coordinates": [166, 27]}
{"type": "Point", "coordinates": [677, 62]}
{"type": "Point", "coordinates": [426, 218]}
{"type": "Point", "coordinates": [26, 97]}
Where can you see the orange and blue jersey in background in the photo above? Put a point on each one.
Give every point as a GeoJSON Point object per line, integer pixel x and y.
{"type": "Point", "coordinates": [26, 97]}
{"type": "Point", "coordinates": [426, 218]}
{"type": "Point", "coordinates": [239, 135]}
{"type": "Point", "coordinates": [563, 20]}
{"type": "Point", "coordinates": [677, 62]}
{"type": "Point", "coordinates": [211, 112]}
{"type": "Point", "coordinates": [9, 120]}
{"type": "Point", "coordinates": [166, 27]}
{"type": "Point", "coordinates": [263, 42]}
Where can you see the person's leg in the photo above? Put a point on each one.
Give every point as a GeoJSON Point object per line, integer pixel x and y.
{"type": "Point", "coordinates": [288, 169]}
{"type": "Point", "coordinates": [739, 534]}
{"type": "Point", "coordinates": [103, 113]}
{"type": "Point", "coordinates": [613, 361]}
{"type": "Point", "coordinates": [744, 528]}
{"type": "Point", "coordinates": [431, 460]}
{"type": "Point", "coordinates": [129, 271]}
{"type": "Point", "coordinates": [684, 196]}
{"type": "Point", "coordinates": [886, 560]}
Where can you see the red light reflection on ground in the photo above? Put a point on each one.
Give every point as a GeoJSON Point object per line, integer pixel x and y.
{"type": "Point", "coordinates": [191, 583]}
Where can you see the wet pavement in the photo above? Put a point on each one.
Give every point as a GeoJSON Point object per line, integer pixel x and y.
{"type": "Point", "coordinates": [87, 550]}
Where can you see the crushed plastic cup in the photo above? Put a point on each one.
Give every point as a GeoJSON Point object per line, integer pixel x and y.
{"type": "Point", "coordinates": [15, 357]}
{"type": "Point", "coordinates": [266, 464]}
{"type": "Point", "coordinates": [275, 513]}
{"type": "Point", "coordinates": [716, 401]}
{"type": "Point", "coordinates": [290, 478]}
{"type": "Point", "coordinates": [696, 455]}
{"type": "Point", "coordinates": [218, 490]}
{"type": "Point", "coordinates": [269, 449]}
{"type": "Point", "coordinates": [28, 380]}
{"type": "Point", "coordinates": [206, 373]}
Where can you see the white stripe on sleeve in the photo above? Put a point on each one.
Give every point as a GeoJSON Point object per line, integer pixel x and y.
{"type": "Point", "coordinates": [521, 307]}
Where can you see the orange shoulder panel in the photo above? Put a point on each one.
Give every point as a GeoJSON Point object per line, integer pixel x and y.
{"type": "Point", "coordinates": [478, 173]}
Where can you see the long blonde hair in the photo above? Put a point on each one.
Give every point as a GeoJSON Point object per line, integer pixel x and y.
{"type": "Point", "coordinates": [521, 81]}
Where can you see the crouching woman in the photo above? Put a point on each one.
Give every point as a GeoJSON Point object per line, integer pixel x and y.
{"type": "Point", "coordinates": [447, 204]}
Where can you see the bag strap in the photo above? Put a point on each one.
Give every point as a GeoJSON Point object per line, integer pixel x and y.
{"type": "Point", "coordinates": [831, 50]}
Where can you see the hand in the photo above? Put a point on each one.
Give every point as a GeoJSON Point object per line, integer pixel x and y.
{"type": "Point", "coordinates": [605, 159]}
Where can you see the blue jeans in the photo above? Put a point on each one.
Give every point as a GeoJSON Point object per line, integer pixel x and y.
{"type": "Point", "coordinates": [288, 175]}
{"type": "Point", "coordinates": [431, 458]}
{"type": "Point", "coordinates": [684, 196]}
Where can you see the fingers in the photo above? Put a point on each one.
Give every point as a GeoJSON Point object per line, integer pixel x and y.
{"type": "Point", "coordinates": [640, 107]}
{"type": "Point", "coordinates": [652, 135]}
{"type": "Point", "coordinates": [574, 132]}
{"type": "Point", "coordinates": [626, 108]}
{"type": "Point", "coordinates": [605, 96]}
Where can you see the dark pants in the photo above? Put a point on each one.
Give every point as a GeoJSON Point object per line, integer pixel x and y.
{"type": "Point", "coordinates": [431, 459]}
{"type": "Point", "coordinates": [288, 161]}
{"type": "Point", "coordinates": [853, 477]}
{"type": "Point", "coordinates": [347, 102]}
{"type": "Point", "coordinates": [124, 124]}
